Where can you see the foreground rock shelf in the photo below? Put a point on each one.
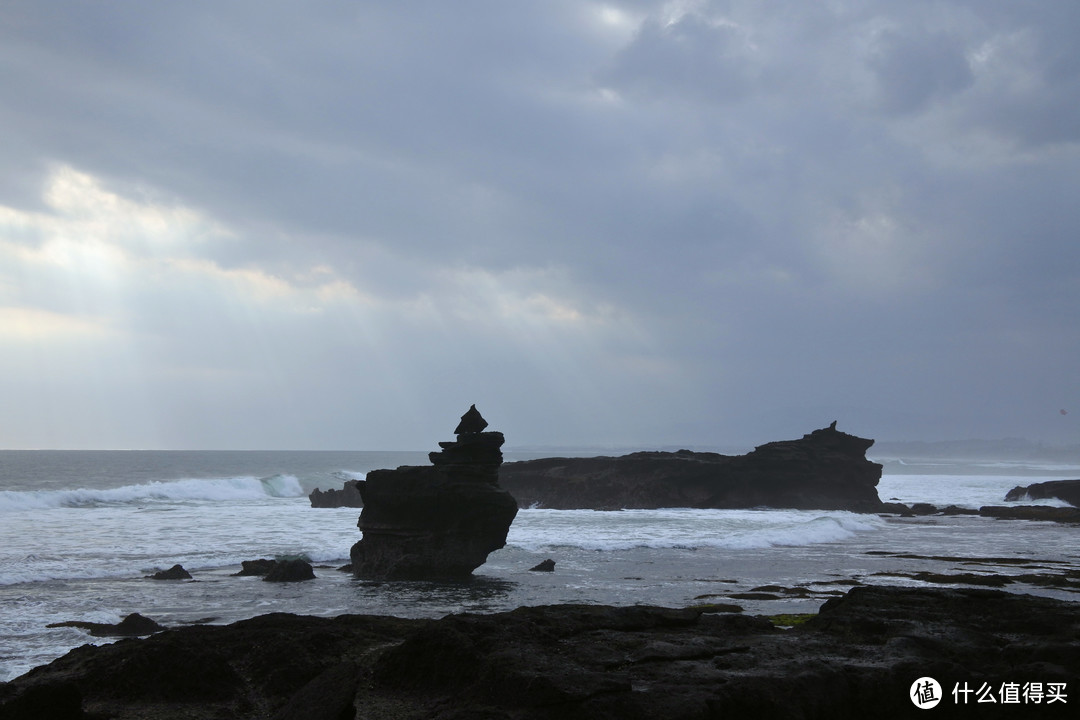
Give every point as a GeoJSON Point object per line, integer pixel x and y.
{"type": "Point", "coordinates": [860, 654]}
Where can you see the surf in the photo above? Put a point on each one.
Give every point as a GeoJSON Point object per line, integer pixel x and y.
{"type": "Point", "coordinates": [190, 490]}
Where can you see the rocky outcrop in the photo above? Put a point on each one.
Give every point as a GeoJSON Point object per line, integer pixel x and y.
{"type": "Point", "coordinates": [347, 496]}
{"type": "Point", "coordinates": [290, 570]}
{"type": "Point", "coordinates": [176, 572]}
{"type": "Point", "coordinates": [859, 655]}
{"type": "Point", "coordinates": [1003, 512]}
{"type": "Point", "coordinates": [437, 521]}
{"type": "Point", "coordinates": [259, 567]}
{"type": "Point", "coordinates": [824, 470]}
{"type": "Point", "coordinates": [133, 625]}
{"type": "Point", "coordinates": [1066, 490]}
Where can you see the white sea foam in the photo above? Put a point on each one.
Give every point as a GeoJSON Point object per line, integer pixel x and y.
{"type": "Point", "coordinates": [538, 529]}
{"type": "Point", "coordinates": [211, 490]}
{"type": "Point", "coordinates": [972, 491]}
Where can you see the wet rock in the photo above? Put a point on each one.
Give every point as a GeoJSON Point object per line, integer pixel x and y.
{"type": "Point", "coordinates": [256, 567]}
{"type": "Point", "coordinates": [247, 670]}
{"type": "Point", "coordinates": [859, 654]}
{"type": "Point", "coordinates": [133, 625]}
{"type": "Point", "coordinates": [347, 496]}
{"type": "Point", "coordinates": [176, 572]}
{"type": "Point", "coordinates": [544, 566]}
{"type": "Point", "coordinates": [291, 570]}
{"type": "Point", "coordinates": [717, 608]}
{"type": "Point", "coordinates": [826, 470]}
{"type": "Point", "coordinates": [439, 521]}
{"type": "Point", "coordinates": [1066, 490]}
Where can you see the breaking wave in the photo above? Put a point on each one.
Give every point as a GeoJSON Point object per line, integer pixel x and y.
{"type": "Point", "coordinates": [205, 490]}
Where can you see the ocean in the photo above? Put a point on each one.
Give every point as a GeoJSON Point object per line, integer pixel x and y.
{"type": "Point", "coordinates": [80, 531]}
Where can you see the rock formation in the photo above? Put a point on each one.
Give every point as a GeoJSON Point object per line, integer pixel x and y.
{"type": "Point", "coordinates": [176, 572]}
{"type": "Point", "coordinates": [290, 570]}
{"type": "Point", "coordinates": [824, 470]}
{"type": "Point", "coordinates": [347, 496]}
{"type": "Point", "coordinates": [133, 625]}
{"type": "Point", "coordinates": [858, 657]}
{"type": "Point", "coordinates": [436, 521]}
{"type": "Point", "coordinates": [259, 567]}
{"type": "Point", "coordinates": [1067, 490]}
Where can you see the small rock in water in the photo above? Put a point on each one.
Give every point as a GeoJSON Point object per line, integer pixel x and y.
{"type": "Point", "coordinates": [133, 625]}
{"type": "Point", "coordinates": [294, 570]}
{"type": "Point", "coordinates": [256, 567]}
{"type": "Point", "coordinates": [176, 572]}
{"type": "Point", "coordinates": [546, 566]}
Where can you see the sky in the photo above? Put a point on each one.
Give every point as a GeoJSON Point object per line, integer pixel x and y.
{"type": "Point", "coordinates": [336, 225]}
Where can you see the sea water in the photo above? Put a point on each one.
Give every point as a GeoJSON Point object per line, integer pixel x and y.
{"type": "Point", "coordinates": [80, 531]}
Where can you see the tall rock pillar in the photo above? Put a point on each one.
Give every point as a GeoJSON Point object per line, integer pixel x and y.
{"type": "Point", "coordinates": [437, 521]}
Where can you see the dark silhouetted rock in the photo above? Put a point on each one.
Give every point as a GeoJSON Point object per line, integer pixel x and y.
{"type": "Point", "coordinates": [256, 567]}
{"type": "Point", "coordinates": [859, 655]}
{"type": "Point", "coordinates": [956, 510]}
{"type": "Point", "coordinates": [544, 566]}
{"type": "Point", "coordinates": [824, 470]}
{"type": "Point", "coordinates": [1065, 490]}
{"type": "Point", "coordinates": [133, 625]}
{"type": "Point", "coordinates": [247, 670]}
{"type": "Point", "coordinates": [176, 572]}
{"type": "Point", "coordinates": [347, 496]}
{"type": "Point", "coordinates": [291, 570]}
{"type": "Point", "coordinates": [471, 422]}
{"type": "Point", "coordinates": [439, 521]}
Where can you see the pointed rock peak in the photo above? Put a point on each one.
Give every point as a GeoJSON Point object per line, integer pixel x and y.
{"type": "Point", "coordinates": [471, 422]}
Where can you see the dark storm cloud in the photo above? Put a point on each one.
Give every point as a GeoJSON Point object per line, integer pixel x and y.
{"type": "Point", "coordinates": [627, 222]}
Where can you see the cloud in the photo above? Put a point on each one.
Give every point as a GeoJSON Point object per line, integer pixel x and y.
{"type": "Point", "coordinates": [917, 69]}
{"type": "Point", "coordinates": [632, 222]}
{"type": "Point", "coordinates": [156, 321]}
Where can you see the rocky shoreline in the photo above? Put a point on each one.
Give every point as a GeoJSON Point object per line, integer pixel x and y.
{"type": "Point", "coordinates": [1002, 512]}
{"type": "Point", "coordinates": [860, 654]}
